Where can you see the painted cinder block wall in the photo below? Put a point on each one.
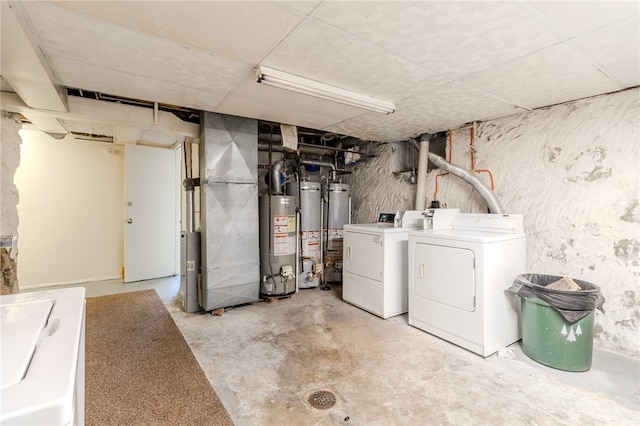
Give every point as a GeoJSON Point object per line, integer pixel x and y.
{"type": "Point", "coordinates": [10, 124]}
{"type": "Point", "coordinates": [572, 170]}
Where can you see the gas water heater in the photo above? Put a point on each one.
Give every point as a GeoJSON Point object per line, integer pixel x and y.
{"type": "Point", "coordinates": [309, 196]}
{"type": "Point", "coordinates": [336, 209]}
{"type": "Point", "coordinates": [278, 245]}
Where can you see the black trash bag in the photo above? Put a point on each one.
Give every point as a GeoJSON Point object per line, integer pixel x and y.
{"type": "Point", "coordinates": [572, 305]}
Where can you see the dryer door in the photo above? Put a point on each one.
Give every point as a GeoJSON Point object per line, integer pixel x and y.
{"type": "Point", "coordinates": [446, 275]}
{"type": "Point", "coordinates": [363, 254]}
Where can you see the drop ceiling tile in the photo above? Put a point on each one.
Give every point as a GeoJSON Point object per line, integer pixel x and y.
{"type": "Point", "coordinates": [446, 107]}
{"type": "Point", "coordinates": [450, 38]}
{"type": "Point", "coordinates": [456, 104]}
{"type": "Point", "coordinates": [550, 76]}
{"type": "Point", "coordinates": [303, 7]}
{"type": "Point", "coordinates": [563, 15]}
{"type": "Point", "coordinates": [242, 31]}
{"type": "Point", "coordinates": [94, 78]}
{"type": "Point", "coordinates": [389, 128]}
{"type": "Point", "coordinates": [67, 35]}
{"type": "Point", "coordinates": [276, 113]}
{"type": "Point", "coordinates": [616, 49]}
{"type": "Point", "coordinates": [344, 60]}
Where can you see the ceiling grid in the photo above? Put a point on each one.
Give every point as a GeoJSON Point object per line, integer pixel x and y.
{"type": "Point", "coordinates": [442, 63]}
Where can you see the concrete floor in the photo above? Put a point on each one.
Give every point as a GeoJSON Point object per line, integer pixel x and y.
{"type": "Point", "coordinates": [264, 360]}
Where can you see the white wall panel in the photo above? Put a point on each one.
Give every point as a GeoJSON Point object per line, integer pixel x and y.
{"type": "Point", "coordinates": [71, 210]}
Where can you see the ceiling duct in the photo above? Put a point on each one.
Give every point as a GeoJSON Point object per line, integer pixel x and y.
{"type": "Point", "coordinates": [92, 137]}
{"type": "Point", "coordinates": [184, 114]}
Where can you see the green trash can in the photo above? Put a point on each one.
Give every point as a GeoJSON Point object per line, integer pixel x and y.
{"type": "Point", "coordinates": [557, 325]}
{"type": "Point", "coordinates": [548, 338]}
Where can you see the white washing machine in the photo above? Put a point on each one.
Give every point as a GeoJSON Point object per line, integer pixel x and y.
{"type": "Point", "coordinates": [374, 270]}
{"type": "Point", "coordinates": [42, 358]}
{"type": "Point", "coordinates": [458, 278]}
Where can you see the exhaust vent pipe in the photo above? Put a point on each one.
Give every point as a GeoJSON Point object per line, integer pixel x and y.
{"type": "Point", "coordinates": [468, 176]}
{"type": "Point", "coordinates": [276, 173]}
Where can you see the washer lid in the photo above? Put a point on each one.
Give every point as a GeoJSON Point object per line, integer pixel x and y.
{"type": "Point", "coordinates": [20, 326]}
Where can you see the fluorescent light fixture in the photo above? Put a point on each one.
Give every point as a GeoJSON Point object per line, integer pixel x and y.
{"type": "Point", "coordinates": [283, 80]}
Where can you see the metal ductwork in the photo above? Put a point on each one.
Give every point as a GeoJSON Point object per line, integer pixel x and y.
{"type": "Point", "coordinates": [422, 172]}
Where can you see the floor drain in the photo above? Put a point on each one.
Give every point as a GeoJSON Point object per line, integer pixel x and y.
{"type": "Point", "coordinates": [322, 400]}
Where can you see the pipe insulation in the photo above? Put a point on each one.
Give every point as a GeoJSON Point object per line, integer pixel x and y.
{"type": "Point", "coordinates": [468, 176]}
{"type": "Point", "coordinates": [421, 182]}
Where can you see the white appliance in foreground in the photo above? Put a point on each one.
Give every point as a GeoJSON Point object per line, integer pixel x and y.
{"type": "Point", "coordinates": [374, 271]}
{"type": "Point", "coordinates": [458, 278]}
{"type": "Point", "coordinates": [43, 357]}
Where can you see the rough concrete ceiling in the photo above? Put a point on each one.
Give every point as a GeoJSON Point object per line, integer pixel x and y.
{"type": "Point", "coordinates": [442, 63]}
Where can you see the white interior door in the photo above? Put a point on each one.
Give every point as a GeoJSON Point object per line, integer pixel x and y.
{"type": "Point", "coordinates": [151, 221]}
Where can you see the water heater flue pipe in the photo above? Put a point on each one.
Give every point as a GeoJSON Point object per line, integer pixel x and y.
{"type": "Point", "coordinates": [421, 181]}
{"type": "Point", "coordinates": [276, 172]}
{"type": "Point", "coordinates": [468, 176]}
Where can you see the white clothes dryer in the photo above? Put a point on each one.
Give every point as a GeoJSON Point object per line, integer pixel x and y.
{"type": "Point", "coordinates": [43, 357]}
{"type": "Point", "coordinates": [458, 279]}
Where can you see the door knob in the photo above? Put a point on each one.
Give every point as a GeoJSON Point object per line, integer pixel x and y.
{"type": "Point", "coordinates": [129, 220]}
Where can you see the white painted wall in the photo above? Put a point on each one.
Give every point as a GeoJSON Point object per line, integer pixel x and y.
{"type": "Point", "coordinates": [573, 170]}
{"type": "Point", "coordinates": [71, 210]}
